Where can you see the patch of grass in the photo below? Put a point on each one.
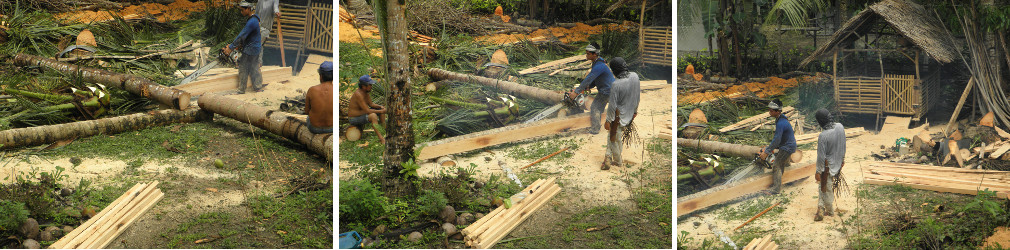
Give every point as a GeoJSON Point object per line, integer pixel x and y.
{"type": "Point", "coordinates": [752, 207]}
{"type": "Point", "coordinates": [143, 144]}
{"type": "Point", "coordinates": [302, 219]}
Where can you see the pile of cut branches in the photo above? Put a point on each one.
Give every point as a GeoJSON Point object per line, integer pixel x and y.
{"type": "Point", "coordinates": [432, 18]}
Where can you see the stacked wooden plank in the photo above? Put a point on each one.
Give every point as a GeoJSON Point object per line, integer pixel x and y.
{"type": "Point", "coordinates": [763, 243]}
{"type": "Point", "coordinates": [812, 137]}
{"type": "Point", "coordinates": [556, 64]}
{"type": "Point", "coordinates": [105, 226]}
{"type": "Point", "coordinates": [757, 120]}
{"type": "Point", "coordinates": [421, 38]}
{"type": "Point", "coordinates": [667, 131]}
{"type": "Point", "coordinates": [488, 230]}
{"type": "Point", "coordinates": [940, 179]}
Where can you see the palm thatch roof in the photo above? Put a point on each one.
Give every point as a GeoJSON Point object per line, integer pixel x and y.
{"type": "Point", "coordinates": [909, 19]}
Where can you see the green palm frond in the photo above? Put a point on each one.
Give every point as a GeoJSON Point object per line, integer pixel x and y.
{"type": "Point", "coordinates": [795, 11]}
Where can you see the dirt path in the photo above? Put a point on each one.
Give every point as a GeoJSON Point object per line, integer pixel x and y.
{"type": "Point", "coordinates": [796, 223]}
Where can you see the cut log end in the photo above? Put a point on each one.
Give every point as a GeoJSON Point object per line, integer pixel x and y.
{"type": "Point", "coordinates": [446, 161]}
{"type": "Point", "coordinates": [353, 133]}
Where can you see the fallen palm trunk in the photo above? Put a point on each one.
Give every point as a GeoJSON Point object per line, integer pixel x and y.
{"type": "Point", "coordinates": [525, 91]}
{"type": "Point", "coordinates": [269, 120]}
{"type": "Point", "coordinates": [105, 226]}
{"type": "Point", "coordinates": [174, 98]}
{"type": "Point", "coordinates": [32, 136]}
{"type": "Point", "coordinates": [730, 149]}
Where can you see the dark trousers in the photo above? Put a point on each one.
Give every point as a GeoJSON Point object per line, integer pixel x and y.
{"type": "Point", "coordinates": [779, 166]}
{"type": "Point", "coordinates": [249, 69]}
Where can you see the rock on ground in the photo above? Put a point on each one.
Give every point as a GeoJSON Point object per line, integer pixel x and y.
{"type": "Point", "coordinates": [31, 244]}
{"type": "Point", "coordinates": [415, 237]}
{"type": "Point", "coordinates": [448, 214]}
{"type": "Point", "coordinates": [449, 228]}
{"type": "Point", "coordinates": [465, 218]}
{"type": "Point", "coordinates": [30, 229]}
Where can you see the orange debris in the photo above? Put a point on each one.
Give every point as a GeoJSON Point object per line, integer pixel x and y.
{"type": "Point", "coordinates": [690, 69]}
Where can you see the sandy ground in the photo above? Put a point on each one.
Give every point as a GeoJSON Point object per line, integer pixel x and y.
{"type": "Point", "coordinates": [585, 182]}
{"type": "Point", "coordinates": [796, 222]}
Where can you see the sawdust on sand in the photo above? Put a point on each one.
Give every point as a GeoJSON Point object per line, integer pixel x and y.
{"type": "Point", "coordinates": [178, 10]}
{"type": "Point", "coordinates": [350, 34]}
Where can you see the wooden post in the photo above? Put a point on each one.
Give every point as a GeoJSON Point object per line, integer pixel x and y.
{"type": "Point", "coordinates": [883, 88]}
{"type": "Point", "coordinates": [957, 109]}
{"type": "Point", "coordinates": [641, 32]}
{"type": "Point", "coordinates": [280, 40]}
{"type": "Point", "coordinates": [834, 76]}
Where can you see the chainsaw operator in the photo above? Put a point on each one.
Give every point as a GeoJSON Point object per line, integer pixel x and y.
{"type": "Point", "coordinates": [600, 77]}
{"type": "Point", "coordinates": [784, 141]}
{"type": "Point", "coordinates": [624, 97]}
{"type": "Point", "coordinates": [830, 160]}
{"type": "Point", "coordinates": [251, 46]}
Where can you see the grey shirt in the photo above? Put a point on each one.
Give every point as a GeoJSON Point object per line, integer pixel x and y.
{"type": "Point", "coordinates": [831, 147]}
{"type": "Point", "coordinates": [267, 10]}
{"type": "Point", "coordinates": [624, 96]}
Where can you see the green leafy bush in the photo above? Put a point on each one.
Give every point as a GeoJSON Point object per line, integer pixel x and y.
{"type": "Point", "coordinates": [360, 200]}
{"type": "Point", "coordinates": [431, 202]}
{"type": "Point", "coordinates": [12, 214]}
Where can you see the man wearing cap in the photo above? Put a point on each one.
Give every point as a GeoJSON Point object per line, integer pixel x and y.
{"type": "Point", "coordinates": [266, 10]}
{"type": "Point", "coordinates": [362, 110]}
{"type": "Point", "coordinates": [251, 46]}
{"type": "Point", "coordinates": [600, 77]}
{"type": "Point", "coordinates": [783, 144]}
{"type": "Point", "coordinates": [621, 111]}
{"type": "Point", "coordinates": [830, 160]}
{"type": "Point", "coordinates": [319, 102]}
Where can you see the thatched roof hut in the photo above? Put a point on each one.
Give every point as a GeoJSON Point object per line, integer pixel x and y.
{"type": "Point", "coordinates": [909, 19]}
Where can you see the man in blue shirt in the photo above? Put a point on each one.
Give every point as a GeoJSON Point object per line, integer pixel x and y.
{"type": "Point", "coordinates": [783, 145]}
{"type": "Point", "coordinates": [251, 46]}
{"type": "Point", "coordinates": [600, 77]}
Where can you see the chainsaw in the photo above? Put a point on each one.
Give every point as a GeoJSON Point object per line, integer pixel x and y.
{"type": "Point", "coordinates": [229, 59]}
{"type": "Point", "coordinates": [574, 105]}
{"type": "Point", "coordinates": [756, 167]}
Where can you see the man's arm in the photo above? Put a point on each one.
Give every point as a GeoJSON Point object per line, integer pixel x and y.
{"type": "Point", "coordinates": [371, 104]}
{"type": "Point", "coordinates": [248, 29]}
{"type": "Point", "coordinates": [593, 73]}
{"type": "Point", "coordinates": [277, 8]}
{"type": "Point", "coordinates": [776, 140]}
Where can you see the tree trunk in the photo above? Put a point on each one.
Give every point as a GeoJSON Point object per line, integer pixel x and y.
{"type": "Point", "coordinates": [275, 122]}
{"type": "Point", "coordinates": [736, 42]}
{"type": "Point", "coordinates": [723, 39]}
{"type": "Point", "coordinates": [174, 98]}
{"type": "Point", "coordinates": [533, 9]}
{"type": "Point", "coordinates": [399, 132]}
{"type": "Point", "coordinates": [33, 136]}
{"type": "Point", "coordinates": [745, 151]}
{"type": "Point", "coordinates": [524, 91]}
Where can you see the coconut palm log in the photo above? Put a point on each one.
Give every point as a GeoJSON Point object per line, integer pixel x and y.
{"type": "Point", "coordinates": [174, 98]}
{"type": "Point", "coordinates": [33, 136]}
{"type": "Point", "coordinates": [524, 91]}
{"type": "Point", "coordinates": [275, 122]}
{"type": "Point", "coordinates": [391, 17]}
{"type": "Point", "coordinates": [730, 149]}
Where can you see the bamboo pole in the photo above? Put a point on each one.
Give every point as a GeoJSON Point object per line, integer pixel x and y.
{"type": "Point", "coordinates": [107, 224]}
{"type": "Point", "coordinates": [130, 219]}
{"type": "Point", "coordinates": [76, 232]}
{"type": "Point", "coordinates": [512, 213]}
{"type": "Point", "coordinates": [526, 214]}
{"type": "Point", "coordinates": [758, 215]}
{"type": "Point", "coordinates": [174, 98]}
{"type": "Point", "coordinates": [94, 228]}
{"type": "Point", "coordinates": [545, 158]}
{"type": "Point", "coordinates": [501, 216]}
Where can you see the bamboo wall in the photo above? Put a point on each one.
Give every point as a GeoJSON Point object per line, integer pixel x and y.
{"type": "Point", "coordinates": [658, 45]}
{"type": "Point", "coordinates": [302, 27]}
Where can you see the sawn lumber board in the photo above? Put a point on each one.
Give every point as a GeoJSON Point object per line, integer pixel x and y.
{"type": "Point", "coordinates": [812, 137]}
{"type": "Point", "coordinates": [230, 82]}
{"type": "Point", "coordinates": [926, 186]}
{"type": "Point", "coordinates": [654, 84]}
{"type": "Point", "coordinates": [694, 202]}
{"type": "Point", "coordinates": [501, 135]}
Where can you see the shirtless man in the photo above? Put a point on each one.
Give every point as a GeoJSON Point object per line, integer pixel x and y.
{"type": "Point", "coordinates": [319, 102]}
{"type": "Point", "coordinates": [362, 110]}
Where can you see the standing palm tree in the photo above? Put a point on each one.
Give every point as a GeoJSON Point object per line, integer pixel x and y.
{"type": "Point", "coordinates": [399, 132]}
{"type": "Point", "coordinates": [795, 11]}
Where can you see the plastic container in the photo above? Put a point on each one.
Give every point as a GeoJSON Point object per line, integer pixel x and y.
{"type": "Point", "coordinates": [350, 240]}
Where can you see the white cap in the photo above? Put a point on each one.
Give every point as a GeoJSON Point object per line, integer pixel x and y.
{"type": "Point", "coordinates": [245, 4]}
{"type": "Point", "coordinates": [772, 105]}
{"type": "Point", "coordinates": [590, 48]}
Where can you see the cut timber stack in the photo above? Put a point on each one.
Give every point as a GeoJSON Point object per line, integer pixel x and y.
{"type": "Point", "coordinates": [812, 137]}
{"type": "Point", "coordinates": [488, 230]}
{"type": "Point", "coordinates": [763, 243]}
{"type": "Point", "coordinates": [667, 131]}
{"type": "Point", "coordinates": [940, 179]}
{"type": "Point", "coordinates": [756, 120]}
{"type": "Point", "coordinates": [105, 226]}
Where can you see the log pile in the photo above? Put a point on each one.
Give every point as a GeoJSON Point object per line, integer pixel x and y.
{"type": "Point", "coordinates": [105, 226]}
{"type": "Point", "coordinates": [756, 120]}
{"type": "Point", "coordinates": [487, 231]}
{"type": "Point", "coordinates": [940, 179]}
{"type": "Point", "coordinates": [763, 243]}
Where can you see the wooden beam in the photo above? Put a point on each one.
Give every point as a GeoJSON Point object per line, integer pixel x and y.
{"type": "Point", "coordinates": [917, 184]}
{"type": "Point", "coordinates": [230, 82]}
{"type": "Point", "coordinates": [957, 109]}
{"type": "Point", "coordinates": [697, 201]}
{"type": "Point", "coordinates": [552, 64]}
{"type": "Point", "coordinates": [501, 135]}
{"type": "Point", "coordinates": [751, 120]}
{"type": "Point", "coordinates": [655, 84]}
